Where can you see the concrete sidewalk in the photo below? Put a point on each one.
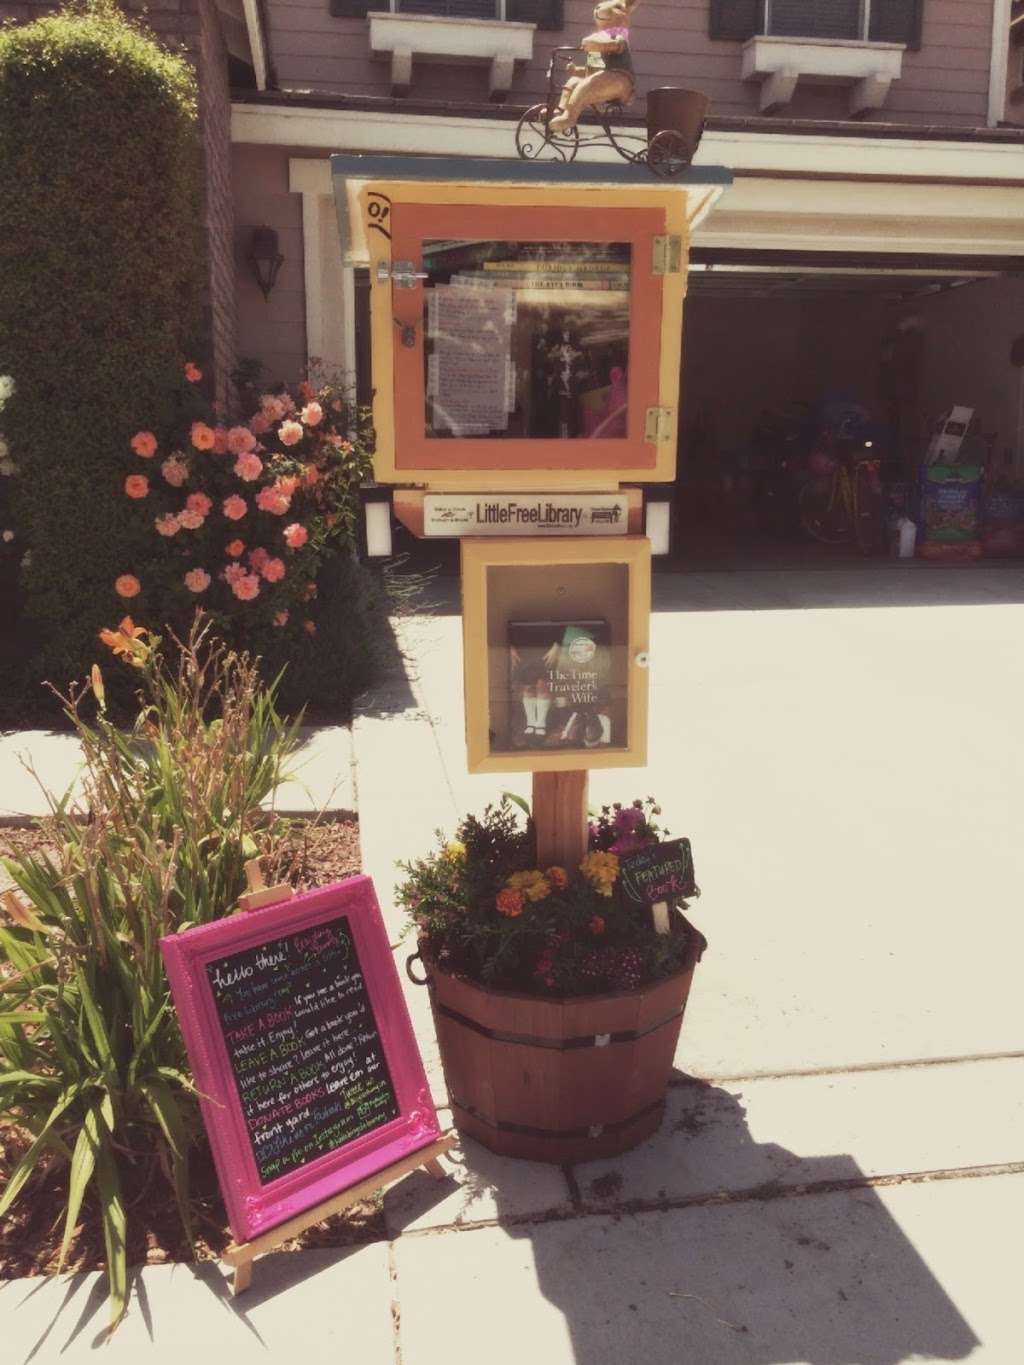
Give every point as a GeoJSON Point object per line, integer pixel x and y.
{"type": "Point", "coordinates": [840, 1176]}
{"type": "Point", "coordinates": [33, 762]}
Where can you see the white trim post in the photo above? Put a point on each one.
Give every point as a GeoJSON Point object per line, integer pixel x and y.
{"type": "Point", "coordinates": [999, 70]}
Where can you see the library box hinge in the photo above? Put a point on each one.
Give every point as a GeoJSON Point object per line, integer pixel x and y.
{"type": "Point", "coordinates": [668, 254]}
{"type": "Point", "coordinates": [660, 425]}
{"type": "Point", "coordinates": [402, 274]}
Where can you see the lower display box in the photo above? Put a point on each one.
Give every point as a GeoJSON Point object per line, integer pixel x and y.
{"type": "Point", "coordinates": [555, 637]}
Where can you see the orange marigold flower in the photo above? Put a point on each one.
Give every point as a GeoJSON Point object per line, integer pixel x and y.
{"type": "Point", "coordinates": [202, 436]}
{"type": "Point", "coordinates": [597, 925]}
{"type": "Point", "coordinates": [509, 903]}
{"type": "Point", "coordinates": [234, 548]}
{"type": "Point", "coordinates": [192, 372]}
{"type": "Point", "coordinates": [136, 486]}
{"type": "Point", "coordinates": [309, 627]}
{"type": "Point", "coordinates": [127, 585]}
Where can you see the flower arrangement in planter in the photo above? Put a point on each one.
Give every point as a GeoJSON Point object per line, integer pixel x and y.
{"type": "Point", "coordinates": [243, 513]}
{"type": "Point", "coordinates": [556, 1001]}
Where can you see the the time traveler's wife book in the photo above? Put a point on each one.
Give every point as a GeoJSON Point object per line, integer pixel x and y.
{"type": "Point", "coordinates": [559, 678]}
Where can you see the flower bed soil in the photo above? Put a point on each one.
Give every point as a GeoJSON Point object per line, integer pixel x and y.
{"type": "Point", "coordinates": [30, 1237]}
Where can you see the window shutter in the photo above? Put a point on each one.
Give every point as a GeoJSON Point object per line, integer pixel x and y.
{"type": "Point", "coordinates": [546, 14]}
{"type": "Point", "coordinates": [736, 20]}
{"type": "Point", "coordinates": [897, 21]}
{"type": "Point", "coordinates": [350, 9]}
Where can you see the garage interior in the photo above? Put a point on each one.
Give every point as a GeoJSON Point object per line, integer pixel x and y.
{"type": "Point", "coordinates": [770, 337]}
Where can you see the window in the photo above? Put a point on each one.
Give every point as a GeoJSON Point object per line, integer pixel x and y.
{"type": "Point", "coordinates": [876, 21]}
{"type": "Point", "coordinates": [546, 14]}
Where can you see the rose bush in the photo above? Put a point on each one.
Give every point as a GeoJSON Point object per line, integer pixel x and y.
{"type": "Point", "coordinates": [244, 514]}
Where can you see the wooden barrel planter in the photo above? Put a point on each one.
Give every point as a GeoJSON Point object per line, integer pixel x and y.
{"type": "Point", "coordinates": [559, 1080]}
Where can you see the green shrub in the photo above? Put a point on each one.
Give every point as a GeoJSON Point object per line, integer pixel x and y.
{"type": "Point", "coordinates": [92, 1064]}
{"type": "Point", "coordinates": [101, 258]}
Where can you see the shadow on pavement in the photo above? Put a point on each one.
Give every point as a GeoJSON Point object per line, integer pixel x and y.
{"type": "Point", "coordinates": [747, 1254]}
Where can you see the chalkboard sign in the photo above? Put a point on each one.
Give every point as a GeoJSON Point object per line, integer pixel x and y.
{"type": "Point", "coordinates": [660, 872]}
{"type": "Point", "coordinates": [306, 1055]}
{"type": "Point", "coordinates": [302, 1051]}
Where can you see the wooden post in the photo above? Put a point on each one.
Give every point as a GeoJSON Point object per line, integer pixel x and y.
{"type": "Point", "coordinates": [560, 818]}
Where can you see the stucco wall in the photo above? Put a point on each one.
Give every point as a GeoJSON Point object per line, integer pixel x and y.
{"type": "Point", "coordinates": [946, 82]}
{"type": "Point", "coordinates": [271, 330]}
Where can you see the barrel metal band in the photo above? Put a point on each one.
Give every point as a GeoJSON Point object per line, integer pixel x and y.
{"type": "Point", "coordinates": [525, 1130]}
{"type": "Point", "coordinates": [556, 1044]}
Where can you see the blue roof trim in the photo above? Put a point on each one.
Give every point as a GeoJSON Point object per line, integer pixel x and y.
{"type": "Point", "coordinates": [345, 166]}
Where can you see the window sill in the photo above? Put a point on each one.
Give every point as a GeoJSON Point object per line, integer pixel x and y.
{"type": "Point", "coordinates": [434, 38]}
{"type": "Point", "coordinates": [781, 63]}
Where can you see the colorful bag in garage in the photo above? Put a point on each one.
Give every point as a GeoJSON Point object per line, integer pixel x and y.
{"type": "Point", "coordinates": [1003, 525]}
{"type": "Point", "coordinates": [950, 518]}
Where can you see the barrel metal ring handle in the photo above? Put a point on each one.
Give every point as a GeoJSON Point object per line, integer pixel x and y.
{"type": "Point", "coordinates": [416, 981]}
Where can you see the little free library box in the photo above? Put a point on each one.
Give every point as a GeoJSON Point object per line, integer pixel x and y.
{"type": "Point", "coordinates": [303, 1054]}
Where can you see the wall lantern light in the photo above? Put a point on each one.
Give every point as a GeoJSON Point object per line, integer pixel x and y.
{"type": "Point", "coordinates": [265, 258]}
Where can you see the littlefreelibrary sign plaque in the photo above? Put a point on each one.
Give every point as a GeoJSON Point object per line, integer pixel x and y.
{"type": "Point", "coordinates": [302, 1051]}
{"type": "Point", "coordinates": [525, 514]}
{"type": "Point", "coordinates": [658, 873]}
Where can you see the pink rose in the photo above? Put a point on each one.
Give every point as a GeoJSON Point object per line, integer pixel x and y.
{"type": "Point", "coordinates": [259, 424]}
{"type": "Point", "coordinates": [290, 433]}
{"type": "Point", "coordinates": [281, 618]}
{"type": "Point", "coordinates": [168, 525]}
{"type": "Point", "coordinates": [312, 414]}
{"type": "Point", "coordinates": [234, 508]}
{"type": "Point", "coordinates": [273, 408]}
{"type": "Point", "coordinates": [174, 471]}
{"type": "Point", "coordinates": [199, 502]}
{"type": "Point", "coordinates": [258, 557]}
{"type": "Point", "coordinates": [272, 500]}
{"type": "Point", "coordinates": [233, 573]}
{"type": "Point", "coordinates": [190, 519]}
{"type": "Point", "coordinates": [197, 580]}
{"type": "Point", "coordinates": [241, 440]}
{"type": "Point", "coordinates": [144, 444]}
{"type": "Point", "coordinates": [273, 570]}
{"type": "Point", "coordinates": [295, 536]}
{"type": "Point", "coordinates": [220, 440]}
{"type": "Point", "coordinates": [248, 466]}
{"type": "Point", "coordinates": [202, 436]}
{"type": "Point", "coordinates": [136, 486]}
{"type": "Point", "coordinates": [247, 587]}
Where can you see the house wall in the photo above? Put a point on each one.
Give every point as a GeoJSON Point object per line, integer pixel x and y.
{"type": "Point", "coordinates": [945, 83]}
{"type": "Point", "coordinates": [272, 330]}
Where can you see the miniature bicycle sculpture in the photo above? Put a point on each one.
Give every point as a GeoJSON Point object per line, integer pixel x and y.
{"type": "Point", "coordinates": [675, 123]}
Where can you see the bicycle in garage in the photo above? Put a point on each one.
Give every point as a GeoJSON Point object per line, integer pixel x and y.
{"type": "Point", "coordinates": [843, 500]}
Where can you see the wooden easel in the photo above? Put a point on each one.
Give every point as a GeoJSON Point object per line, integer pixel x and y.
{"type": "Point", "coordinates": [240, 1255]}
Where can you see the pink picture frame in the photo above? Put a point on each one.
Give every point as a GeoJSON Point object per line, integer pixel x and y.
{"type": "Point", "coordinates": [337, 923]}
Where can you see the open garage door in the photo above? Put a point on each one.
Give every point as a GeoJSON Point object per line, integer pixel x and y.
{"type": "Point", "coordinates": [778, 342]}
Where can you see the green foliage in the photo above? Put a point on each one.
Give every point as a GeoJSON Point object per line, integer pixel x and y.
{"type": "Point", "coordinates": [101, 258]}
{"type": "Point", "coordinates": [483, 909]}
{"type": "Point", "coordinates": [92, 1064]}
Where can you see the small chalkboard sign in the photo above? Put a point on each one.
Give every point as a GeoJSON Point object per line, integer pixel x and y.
{"type": "Point", "coordinates": [659, 872]}
{"type": "Point", "coordinates": [302, 1050]}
